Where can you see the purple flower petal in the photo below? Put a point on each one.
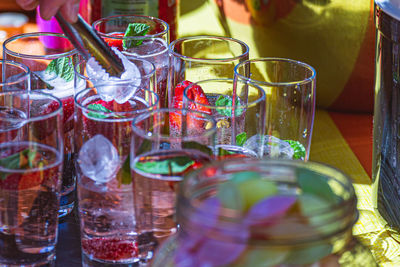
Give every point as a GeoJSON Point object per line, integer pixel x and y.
{"type": "Point", "coordinates": [268, 209]}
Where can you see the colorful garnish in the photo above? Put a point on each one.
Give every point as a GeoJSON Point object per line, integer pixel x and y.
{"type": "Point", "coordinates": [226, 101]}
{"type": "Point", "coordinates": [299, 149]}
{"type": "Point", "coordinates": [196, 94]}
{"type": "Point", "coordinates": [116, 41]}
{"type": "Point", "coordinates": [62, 67]}
{"type": "Point", "coordinates": [134, 29]}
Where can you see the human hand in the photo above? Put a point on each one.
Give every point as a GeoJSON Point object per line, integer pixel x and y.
{"type": "Point", "coordinates": [48, 8]}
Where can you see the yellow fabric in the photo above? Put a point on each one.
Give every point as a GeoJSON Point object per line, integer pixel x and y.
{"type": "Point", "coordinates": [329, 146]}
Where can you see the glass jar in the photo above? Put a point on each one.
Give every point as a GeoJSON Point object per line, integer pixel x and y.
{"type": "Point", "coordinates": [252, 212]}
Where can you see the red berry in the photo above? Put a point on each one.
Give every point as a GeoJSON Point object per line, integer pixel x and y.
{"type": "Point", "coordinates": [196, 94]}
{"type": "Point", "coordinates": [115, 42]}
{"type": "Point", "coordinates": [110, 249]}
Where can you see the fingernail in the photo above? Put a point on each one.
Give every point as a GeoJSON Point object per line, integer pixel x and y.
{"type": "Point", "coordinates": [47, 12]}
{"type": "Point", "coordinates": [73, 13]}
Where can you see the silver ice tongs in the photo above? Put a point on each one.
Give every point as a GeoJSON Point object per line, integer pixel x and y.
{"type": "Point", "coordinates": [89, 43]}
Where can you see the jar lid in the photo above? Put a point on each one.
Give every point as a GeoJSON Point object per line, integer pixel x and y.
{"type": "Point", "coordinates": [11, 19]}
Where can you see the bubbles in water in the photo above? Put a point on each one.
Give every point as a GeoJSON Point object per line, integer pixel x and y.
{"type": "Point", "coordinates": [98, 159]}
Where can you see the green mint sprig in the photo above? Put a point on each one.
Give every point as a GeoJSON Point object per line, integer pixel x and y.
{"type": "Point", "coordinates": [62, 67]}
{"type": "Point", "coordinates": [226, 101]}
{"type": "Point", "coordinates": [241, 138]}
{"type": "Point", "coordinates": [23, 159]}
{"type": "Point", "coordinates": [101, 108]}
{"type": "Point", "coordinates": [134, 29]}
{"type": "Point", "coordinates": [168, 167]}
{"type": "Point", "coordinates": [298, 148]}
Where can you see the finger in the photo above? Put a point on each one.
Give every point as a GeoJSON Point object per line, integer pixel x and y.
{"type": "Point", "coordinates": [28, 4]}
{"type": "Point", "coordinates": [49, 8]}
{"type": "Point", "coordinates": [70, 11]}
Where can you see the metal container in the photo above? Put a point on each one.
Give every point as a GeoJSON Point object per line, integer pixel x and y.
{"type": "Point", "coordinates": [386, 140]}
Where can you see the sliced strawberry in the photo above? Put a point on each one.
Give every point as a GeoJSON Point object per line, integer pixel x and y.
{"type": "Point", "coordinates": [115, 42]}
{"type": "Point", "coordinates": [196, 94]}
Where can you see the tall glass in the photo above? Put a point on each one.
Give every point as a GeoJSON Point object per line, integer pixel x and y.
{"type": "Point", "coordinates": [199, 58]}
{"type": "Point", "coordinates": [104, 183]}
{"type": "Point", "coordinates": [289, 87]}
{"type": "Point", "coordinates": [238, 109]}
{"type": "Point", "coordinates": [166, 145]}
{"type": "Point", "coordinates": [31, 151]}
{"type": "Point", "coordinates": [51, 57]}
{"type": "Point", "coordinates": [153, 46]}
{"type": "Point", "coordinates": [14, 76]}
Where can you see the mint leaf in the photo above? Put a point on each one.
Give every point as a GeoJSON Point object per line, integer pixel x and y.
{"type": "Point", "coordinates": [101, 108]}
{"type": "Point", "coordinates": [241, 139]}
{"type": "Point", "coordinates": [224, 152]}
{"type": "Point", "coordinates": [169, 166]}
{"type": "Point", "coordinates": [298, 148]}
{"type": "Point", "coordinates": [14, 161]}
{"type": "Point", "coordinates": [62, 67]}
{"type": "Point", "coordinates": [134, 29]}
{"type": "Point", "coordinates": [200, 147]}
{"type": "Point", "coordinates": [226, 101]}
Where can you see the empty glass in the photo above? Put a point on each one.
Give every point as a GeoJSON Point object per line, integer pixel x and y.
{"type": "Point", "coordinates": [289, 87]}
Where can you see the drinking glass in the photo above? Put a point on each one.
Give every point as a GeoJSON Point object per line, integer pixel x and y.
{"type": "Point", "coordinates": [31, 151]}
{"type": "Point", "coordinates": [238, 109]}
{"type": "Point", "coordinates": [289, 87]}
{"type": "Point", "coordinates": [104, 183]}
{"type": "Point", "coordinates": [50, 58]}
{"type": "Point", "coordinates": [14, 76]}
{"type": "Point", "coordinates": [166, 145]}
{"type": "Point", "coordinates": [153, 46]}
{"type": "Point", "coordinates": [199, 58]}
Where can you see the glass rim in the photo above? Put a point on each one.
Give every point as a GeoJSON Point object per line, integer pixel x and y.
{"type": "Point", "coordinates": [109, 18]}
{"type": "Point", "coordinates": [38, 117]}
{"type": "Point", "coordinates": [37, 34]}
{"type": "Point", "coordinates": [119, 113]}
{"type": "Point", "coordinates": [25, 76]}
{"type": "Point", "coordinates": [138, 131]}
{"type": "Point", "coordinates": [146, 76]}
{"type": "Point", "coordinates": [212, 37]}
{"type": "Point", "coordinates": [276, 59]}
{"type": "Point", "coordinates": [247, 105]}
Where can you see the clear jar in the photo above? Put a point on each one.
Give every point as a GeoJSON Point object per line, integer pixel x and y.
{"type": "Point", "coordinates": [307, 221]}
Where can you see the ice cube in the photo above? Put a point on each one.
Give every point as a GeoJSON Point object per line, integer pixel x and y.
{"type": "Point", "coordinates": [273, 147]}
{"type": "Point", "coordinates": [98, 159]}
{"type": "Point", "coordinates": [114, 88]}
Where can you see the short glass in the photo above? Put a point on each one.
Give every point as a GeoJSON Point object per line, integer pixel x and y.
{"type": "Point", "coordinates": [31, 152]}
{"type": "Point", "coordinates": [263, 212]}
{"type": "Point", "coordinates": [238, 109]}
{"type": "Point", "coordinates": [153, 46]}
{"type": "Point", "coordinates": [199, 58]}
{"type": "Point", "coordinates": [14, 76]}
{"type": "Point", "coordinates": [104, 183]}
{"type": "Point", "coordinates": [166, 145]}
{"type": "Point", "coordinates": [50, 58]}
{"type": "Point", "coordinates": [289, 87]}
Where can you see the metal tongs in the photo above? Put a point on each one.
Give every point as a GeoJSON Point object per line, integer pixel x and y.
{"type": "Point", "coordinates": [89, 43]}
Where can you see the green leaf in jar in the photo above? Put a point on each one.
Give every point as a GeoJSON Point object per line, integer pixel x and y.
{"type": "Point", "coordinates": [134, 29]}
{"type": "Point", "coordinates": [62, 67]}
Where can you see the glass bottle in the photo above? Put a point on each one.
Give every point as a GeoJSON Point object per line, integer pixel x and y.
{"type": "Point", "coordinates": [166, 10]}
{"type": "Point", "coordinates": [315, 230]}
